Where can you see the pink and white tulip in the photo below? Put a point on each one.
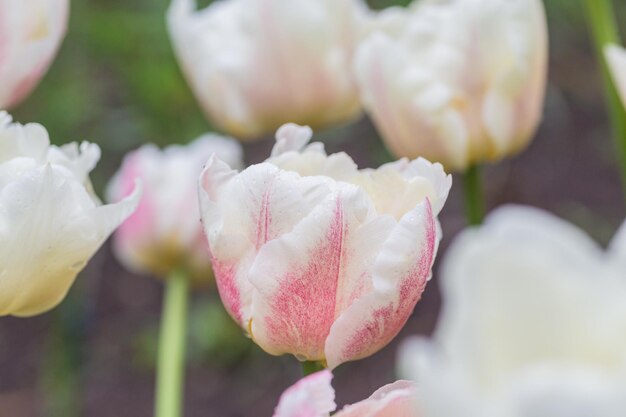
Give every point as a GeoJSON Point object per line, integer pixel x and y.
{"type": "Point", "coordinates": [51, 223]}
{"type": "Point", "coordinates": [459, 82]}
{"type": "Point", "coordinates": [313, 396]}
{"type": "Point", "coordinates": [30, 34]}
{"type": "Point", "coordinates": [165, 232]}
{"type": "Point", "coordinates": [316, 258]}
{"type": "Point", "coordinates": [533, 323]}
{"type": "Point", "coordinates": [256, 64]}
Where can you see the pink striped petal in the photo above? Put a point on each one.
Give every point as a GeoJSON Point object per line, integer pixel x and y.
{"type": "Point", "coordinates": [400, 274]}
{"type": "Point", "coordinates": [307, 277]}
{"type": "Point", "coordinates": [263, 204]}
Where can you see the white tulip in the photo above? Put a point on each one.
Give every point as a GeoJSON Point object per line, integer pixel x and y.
{"type": "Point", "coordinates": [165, 233]}
{"type": "Point", "coordinates": [31, 32]}
{"type": "Point", "coordinates": [459, 82]}
{"type": "Point", "coordinates": [257, 64]}
{"type": "Point", "coordinates": [51, 223]}
{"type": "Point", "coordinates": [533, 324]}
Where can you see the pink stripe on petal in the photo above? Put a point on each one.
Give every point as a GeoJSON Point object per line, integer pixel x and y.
{"type": "Point", "coordinates": [228, 288]}
{"type": "Point", "coordinates": [303, 307]}
{"type": "Point", "coordinates": [264, 221]}
{"type": "Point", "coordinates": [374, 320]}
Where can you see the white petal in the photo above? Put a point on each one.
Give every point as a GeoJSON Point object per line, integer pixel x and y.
{"type": "Point", "coordinates": [312, 396]}
{"type": "Point", "coordinates": [50, 228]}
{"type": "Point", "coordinates": [30, 34]}
{"type": "Point", "coordinates": [291, 137]}
{"type": "Point", "coordinates": [526, 288]}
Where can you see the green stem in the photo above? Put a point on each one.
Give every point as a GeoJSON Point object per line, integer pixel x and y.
{"type": "Point", "coordinates": [604, 31]}
{"type": "Point", "coordinates": [171, 360]}
{"type": "Point", "coordinates": [474, 204]}
{"type": "Point", "coordinates": [310, 367]}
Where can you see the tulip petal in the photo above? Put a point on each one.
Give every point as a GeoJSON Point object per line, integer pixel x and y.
{"type": "Point", "coordinates": [400, 274]}
{"type": "Point", "coordinates": [392, 400]}
{"type": "Point", "coordinates": [501, 280]}
{"type": "Point", "coordinates": [304, 279]}
{"type": "Point", "coordinates": [59, 229]}
{"type": "Point", "coordinates": [617, 248]}
{"type": "Point", "coordinates": [312, 396]}
{"type": "Point", "coordinates": [401, 104]}
{"type": "Point", "coordinates": [291, 137]}
{"type": "Point", "coordinates": [30, 35]}
{"type": "Point", "coordinates": [263, 204]}
{"type": "Point", "coordinates": [499, 119]}
{"type": "Point", "coordinates": [291, 153]}
{"type": "Point", "coordinates": [433, 173]}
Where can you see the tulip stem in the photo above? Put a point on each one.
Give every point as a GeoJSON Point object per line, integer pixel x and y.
{"type": "Point", "coordinates": [171, 356]}
{"type": "Point", "coordinates": [310, 367]}
{"type": "Point", "coordinates": [472, 187]}
{"type": "Point", "coordinates": [604, 31]}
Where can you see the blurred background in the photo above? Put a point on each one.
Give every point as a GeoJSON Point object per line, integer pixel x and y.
{"type": "Point", "coordinates": [116, 83]}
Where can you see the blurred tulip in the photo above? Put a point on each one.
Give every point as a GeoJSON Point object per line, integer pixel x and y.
{"type": "Point", "coordinates": [459, 82]}
{"type": "Point", "coordinates": [51, 223]}
{"type": "Point", "coordinates": [316, 258]}
{"type": "Point", "coordinates": [31, 32]}
{"type": "Point", "coordinates": [256, 64]}
{"type": "Point", "coordinates": [616, 59]}
{"type": "Point", "coordinates": [533, 324]}
{"type": "Point", "coordinates": [313, 396]}
{"type": "Point", "coordinates": [165, 232]}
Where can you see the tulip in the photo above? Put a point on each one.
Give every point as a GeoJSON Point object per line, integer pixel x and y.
{"type": "Point", "coordinates": [51, 223]}
{"type": "Point", "coordinates": [316, 258]}
{"type": "Point", "coordinates": [533, 324]}
{"type": "Point", "coordinates": [256, 64]}
{"type": "Point", "coordinates": [30, 35]}
{"type": "Point", "coordinates": [313, 396]}
{"type": "Point", "coordinates": [165, 232]}
{"type": "Point", "coordinates": [459, 82]}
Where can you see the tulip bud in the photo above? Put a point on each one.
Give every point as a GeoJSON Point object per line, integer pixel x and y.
{"type": "Point", "coordinates": [315, 257]}
{"type": "Point", "coordinates": [31, 31]}
{"type": "Point", "coordinates": [533, 323]}
{"type": "Point", "coordinates": [51, 223]}
{"type": "Point", "coordinates": [460, 82]}
{"type": "Point", "coordinates": [256, 64]}
{"type": "Point", "coordinates": [165, 232]}
{"type": "Point", "coordinates": [313, 396]}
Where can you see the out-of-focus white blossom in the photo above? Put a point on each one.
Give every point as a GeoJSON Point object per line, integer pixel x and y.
{"type": "Point", "coordinates": [165, 233]}
{"type": "Point", "coordinates": [533, 324]}
{"type": "Point", "coordinates": [257, 64]}
{"type": "Point", "coordinates": [31, 32]}
{"type": "Point", "coordinates": [459, 82]}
